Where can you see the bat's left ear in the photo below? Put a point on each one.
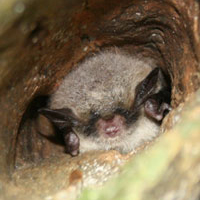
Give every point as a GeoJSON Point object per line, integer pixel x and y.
{"type": "Point", "coordinates": [157, 105]}
{"type": "Point", "coordinates": [154, 93]}
{"type": "Point", "coordinates": [148, 86]}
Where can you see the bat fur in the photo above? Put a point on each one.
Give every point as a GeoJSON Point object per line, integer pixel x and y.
{"type": "Point", "coordinates": [101, 84]}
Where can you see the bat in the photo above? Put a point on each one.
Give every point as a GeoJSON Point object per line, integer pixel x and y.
{"type": "Point", "coordinates": [111, 100]}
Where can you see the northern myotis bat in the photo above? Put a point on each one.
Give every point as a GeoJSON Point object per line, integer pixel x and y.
{"type": "Point", "coordinates": [111, 100]}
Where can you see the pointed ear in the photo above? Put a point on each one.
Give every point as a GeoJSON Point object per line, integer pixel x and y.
{"type": "Point", "coordinates": [149, 86]}
{"type": "Point", "coordinates": [61, 118]}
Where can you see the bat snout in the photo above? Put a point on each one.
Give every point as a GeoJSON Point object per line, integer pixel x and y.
{"type": "Point", "coordinates": [111, 127]}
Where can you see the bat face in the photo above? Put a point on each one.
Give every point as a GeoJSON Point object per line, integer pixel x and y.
{"type": "Point", "coordinates": [117, 134]}
{"type": "Point", "coordinates": [110, 101]}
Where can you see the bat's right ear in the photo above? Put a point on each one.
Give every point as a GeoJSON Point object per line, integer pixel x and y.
{"type": "Point", "coordinates": [61, 118]}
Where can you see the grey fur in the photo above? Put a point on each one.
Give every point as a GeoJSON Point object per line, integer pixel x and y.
{"type": "Point", "coordinates": [101, 83]}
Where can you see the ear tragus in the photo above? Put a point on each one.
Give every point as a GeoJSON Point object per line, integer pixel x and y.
{"type": "Point", "coordinates": [61, 118]}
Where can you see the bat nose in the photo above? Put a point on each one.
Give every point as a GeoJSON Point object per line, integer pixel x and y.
{"type": "Point", "coordinates": [112, 130]}
{"type": "Point", "coordinates": [110, 127]}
